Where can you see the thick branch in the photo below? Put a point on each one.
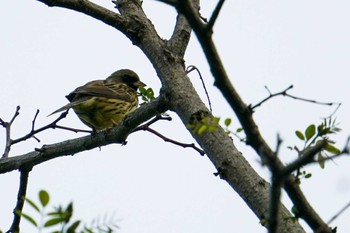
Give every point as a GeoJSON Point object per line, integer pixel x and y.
{"type": "Point", "coordinates": [181, 36]}
{"type": "Point", "coordinates": [89, 8]}
{"type": "Point", "coordinates": [306, 157]}
{"type": "Point", "coordinates": [20, 201]}
{"type": "Point", "coordinates": [70, 147]}
{"type": "Point", "coordinates": [254, 137]}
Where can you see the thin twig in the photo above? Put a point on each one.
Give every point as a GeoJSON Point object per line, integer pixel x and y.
{"type": "Point", "coordinates": [146, 127]}
{"type": "Point", "coordinates": [34, 119]}
{"type": "Point", "coordinates": [190, 69]}
{"type": "Point", "coordinates": [73, 129]}
{"type": "Point", "coordinates": [157, 118]}
{"type": "Point", "coordinates": [284, 93]}
{"type": "Point", "coordinates": [306, 156]}
{"type": "Point", "coordinates": [20, 201]}
{"type": "Point", "coordinates": [279, 143]}
{"type": "Point", "coordinates": [33, 131]}
{"type": "Point", "coordinates": [215, 15]}
{"type": "Point", "coordinates": [166, 139]}
{"type": "Point", "coordinates": [7, 126]}
{"type": "Point", "coordinates": [339, 213]}
{"type": "Point", "coordinates": [345, 151]}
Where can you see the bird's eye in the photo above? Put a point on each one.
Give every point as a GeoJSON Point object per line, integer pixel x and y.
{"type": "Point", "coordinates": [130, 79]}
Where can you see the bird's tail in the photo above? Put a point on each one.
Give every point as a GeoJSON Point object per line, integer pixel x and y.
{"type": "Point", "coordinates": [69, 106]}
{"type": "Point", "coordinates": [66, 107]}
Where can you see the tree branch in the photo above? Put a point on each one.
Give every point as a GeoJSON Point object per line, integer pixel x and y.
{"type": "Point", "coordinates": [306, 157]}
{"type": "Point", "coordinates": [285, 93]}
{"type": "Point", "coordinates": [7, 126]}
{"type": "Point", "coordinates": [117, 134]}
{"type": "Point", "coordinates": [339, 213]}
{"type": "Point", "coordinates": [166, 139]}
{"type": "Point", "coordinates": [34, 131]}
{"type": "Point", "coordinates": [181, 36]}
{"type": "Point", "coordinates": [89, 8]}
{"type": "Point", "coordinates": [244, 114]}
{"type": "Point", "coordinates": [275, 197]}
{"type": "Point", "coordinates": [20, 201]}
{"type": "Point", "coordinates": [215, 15]}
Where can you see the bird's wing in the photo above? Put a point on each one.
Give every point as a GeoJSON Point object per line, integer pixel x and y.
{"type": "Point", "coordinates": [99, 89]}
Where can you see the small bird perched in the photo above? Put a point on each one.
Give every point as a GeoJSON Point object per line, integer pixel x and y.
{"type": "Point", "coordinates": [102, 104]}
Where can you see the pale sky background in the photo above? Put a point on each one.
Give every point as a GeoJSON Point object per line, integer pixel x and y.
{"type": "Point", "coordinates": [150, 185]}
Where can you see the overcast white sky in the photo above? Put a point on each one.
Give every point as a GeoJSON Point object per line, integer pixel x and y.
{"type": "Point", "coordinates": [150, 185]}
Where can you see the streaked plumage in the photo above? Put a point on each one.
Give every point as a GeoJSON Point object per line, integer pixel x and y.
{"type": "Point", "coordinates": [102, 104]}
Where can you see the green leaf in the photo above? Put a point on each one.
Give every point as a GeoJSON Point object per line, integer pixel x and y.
{"type": "Point", "coordinates": [310, 131]}
{"type": "Point", "coordinates": [263, 222]}
{"type": "Point", "coordinates": [88, 230]}
{"type": "Point", "coordinates": [216, 120]}
{"type": "Point", "coordinates": [32, 204]}
{"type": "Point", "coordinates": [300, 135]}
{"type": "Point", "coordinates": [29, 218]}
{"type": "Point", "coordinates": [331, 149]}
{"type": "Point", "coordinates": [321, 160]}
{"type": "Point", "coordinates": [69, 212]}
{"type": "Point", "coordinates": [44, 197]}
{"type": "Point", "coordinates": [53, 221]}
{"type": "Point", "coordinates": [308, 175]}
{"type": "Point", "coordinates": [320, 129]}
{"type": "Point", "coordinates": [227, 122]}
{"type": "Point", "coordinates": [150, 93]}
{"type": "Point", "coordinates": [238, 130]}
{"type": "Point", "coordinates": [142, 90]}
{"type": "Point", "coordinates": [294, 210]}
{"type": "Point", "coordinates": [202, 129]}
{"type": "Point", "coordinates": [73, 227]}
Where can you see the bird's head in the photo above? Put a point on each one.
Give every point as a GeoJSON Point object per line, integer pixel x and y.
{"type": "Point", "coordinates": [128, 77]}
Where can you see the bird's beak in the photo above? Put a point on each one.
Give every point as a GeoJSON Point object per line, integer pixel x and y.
{"type": "Point", "coordinates": [139, 84]}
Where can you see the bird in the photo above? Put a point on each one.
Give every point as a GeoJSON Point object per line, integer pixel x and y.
{"type": "Point", "coordinates": [103, 104]}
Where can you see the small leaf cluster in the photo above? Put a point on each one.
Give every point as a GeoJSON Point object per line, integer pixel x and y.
{"type": "Point", "coordinates": [236, 133]}
{"type": "Point", "coordinates": [146, 94]}
{"type": "Point", "coordinates": [314, 133]}
{"type": "Point", "coordinates": [205, 124]}
{"type": "Point", "coordinates": [59, 220]}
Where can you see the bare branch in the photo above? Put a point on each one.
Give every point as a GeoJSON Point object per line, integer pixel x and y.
{"type": "Point", "coordinates": [146, 127]}
{"type": "Point", "coordinates": [33, 131]}
{"type": "Point", "coordinates": [7, 126]}
{"type": "Point", "coordinates": [270, 96]}
{"type": "Point", "coordinates": [89, 8]}
{"type": "Point", "coordinates": [117, 134]}
{"type": "Point", "coordinates": [166, 139]}
{"type": "Point", "coordinates": [190, 69]}
{"type": "Point", "coordinates": [344, 151]}
{"type": "Point", "coordinates": [284, 93]}
{"type": "Point", "coordinates": [306, 157]}
{"type": "Point", "coordinates": [181, 36]}
{"type": "Point", "coordinates": [244, 114]}
{"type": "Point", "coordinates": [339, 213]}
{"type": "Point", "coordinates": [154, 120]}
{"type": "Point", "coordinates": [275, 197]}
{"type": "Point", "coordinates": [20, 201]}
{"type": "Point", "coordinates": [215, 15]}
{"type": "Point", "coordinates": [73, 129]}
